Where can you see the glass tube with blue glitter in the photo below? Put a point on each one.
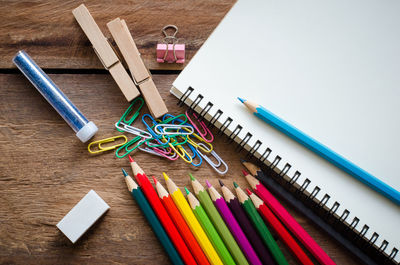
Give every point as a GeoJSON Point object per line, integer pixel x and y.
{"type": "Point", "coordinates": [84, 129]}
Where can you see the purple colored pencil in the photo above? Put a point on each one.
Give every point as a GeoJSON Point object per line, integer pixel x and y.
{"type": "Point", "coordinates": [246, 225]}
{"type": "Point", "coordinates": [233, 226]}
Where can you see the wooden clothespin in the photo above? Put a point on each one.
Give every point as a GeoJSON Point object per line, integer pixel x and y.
{"type": "Point", "coordinates": [105, 52]}
{"type": "Point", "coordinates": [141, 76]}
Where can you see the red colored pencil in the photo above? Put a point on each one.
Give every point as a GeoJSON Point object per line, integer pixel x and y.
{"type": "Point", "coordinates": [161, 213]}
{"type": "Point", "coordinates": [273, 222]}
{"type": "Point", "coordinates": [288, 220]}
{"type": "Point", "coordinates": [180, 223]}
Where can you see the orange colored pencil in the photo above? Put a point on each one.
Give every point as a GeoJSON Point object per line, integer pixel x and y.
{"type": "Point", "coordinates": [162, 214]}
{"type": "Point", "coordinates": [180, 223]}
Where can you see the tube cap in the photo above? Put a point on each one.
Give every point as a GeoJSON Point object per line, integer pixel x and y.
{"type": "Point", "coordinates": [87, 131]}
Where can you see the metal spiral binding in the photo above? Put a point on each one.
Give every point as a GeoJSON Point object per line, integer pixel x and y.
{"type": "Point", "coordinates": [368, 245]}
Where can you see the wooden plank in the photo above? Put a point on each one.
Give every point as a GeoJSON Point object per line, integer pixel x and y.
{"type": "Point", "coordinates": [45, 170]}
{"type": "Point", "coordinates": [50, 34]}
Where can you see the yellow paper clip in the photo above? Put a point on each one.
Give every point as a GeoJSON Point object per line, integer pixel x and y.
{"type": "Point", "coordinates": [99, 143]}
{"type": "Point", "coordinates": [182, 153]}
{"type": "Point", "coordinates": [199, 145]}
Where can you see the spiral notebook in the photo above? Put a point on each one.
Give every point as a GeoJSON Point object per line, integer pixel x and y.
{"type": "Point", "coordinates": [331, 69]}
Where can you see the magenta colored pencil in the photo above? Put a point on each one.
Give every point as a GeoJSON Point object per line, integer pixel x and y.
{"type": "Point", "coordinates": [233, 226]}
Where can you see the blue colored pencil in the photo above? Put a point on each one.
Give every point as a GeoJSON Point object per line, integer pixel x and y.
{"type": "Point", "coordinates": [323, 151]}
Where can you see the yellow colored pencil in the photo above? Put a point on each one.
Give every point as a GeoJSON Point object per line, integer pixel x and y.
{"type": "Point", "coordinates": [193, 223]}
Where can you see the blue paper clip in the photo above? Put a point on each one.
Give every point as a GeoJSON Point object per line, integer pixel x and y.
{"type": "Point", "coordinates": [195, 153]}
{"type": "Point", "coordinates": [128, 111]}
{"type": "Point", "coordinates": [150, 129]}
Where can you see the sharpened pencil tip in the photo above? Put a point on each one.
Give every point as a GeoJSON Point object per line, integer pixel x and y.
{"type": "Point", "coordinates": [242, 161]}
{"type": "Point", "coordinates": [235, 184]}
{"type": "Point", "coordinates": [165, 176]}
{"type": "Point", "coordinates": [187, 191]}
{"type": "Point", "coordinates": [208, 184]}
{"type": "Point", "coordinates": [124, 172]}
{"type": "Point", "coordinates": [241, 100]}
{"type": "Point", "coordinates": [191, 177]}
{"type": "Point", "coordinates": [220, 182]}
{"type": "Point", "coordinates": [248, 191]}
{"type": "Point", "coordinates": [130, 159]}
{"type": "Point", "coordinates": [244, 172]}
{"type": "Point", "coordinates": [155, 180]}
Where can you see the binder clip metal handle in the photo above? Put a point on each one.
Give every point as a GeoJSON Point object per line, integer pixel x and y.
{"type": "Point", "coordinates": [170, 42]}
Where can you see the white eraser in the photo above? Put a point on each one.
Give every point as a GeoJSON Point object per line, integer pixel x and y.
{"type": "Point", "coordinates": [84, 214]}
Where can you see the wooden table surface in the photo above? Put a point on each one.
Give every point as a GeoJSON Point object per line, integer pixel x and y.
{"type": "Point", "coordinates": [45, 170]}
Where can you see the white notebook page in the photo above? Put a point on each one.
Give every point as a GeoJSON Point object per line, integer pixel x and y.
{"type": "Point", "coordinates": [330, 68]}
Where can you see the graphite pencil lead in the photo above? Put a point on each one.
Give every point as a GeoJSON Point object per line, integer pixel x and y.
{"type": "Point", "coordinates": [221, 183]}
{"type": "Point", "coordinates": [124, 172]}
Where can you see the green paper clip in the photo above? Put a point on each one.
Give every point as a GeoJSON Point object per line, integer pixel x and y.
{"type": "Point", "coordinates": [129, 111]}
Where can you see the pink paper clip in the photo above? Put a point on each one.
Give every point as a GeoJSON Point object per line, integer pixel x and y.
{"type": "Point", "coordinates": [170, 51]}
{"type": "Point", "coordinates": [205, 132]}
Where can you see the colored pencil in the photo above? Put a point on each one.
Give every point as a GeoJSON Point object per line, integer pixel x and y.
{"type": "Point", "coordinates": [283, 234]}
{"type": "Point", "coordinates": [161, 213]}
{"type": "Point", "coordinates": [233, 225]}
{"type": "Point", "coordinates": [244, 222]}
{"type": "Point", "coordinates": [209, 229]}
{"type": "Point", "coordinates": [192, 222]}
{"type": "Point", "coordinates": [289, 222]}
{"type": "Point", "coordinates": [218, 222]}
{"type": "Point", "coordinates": [151, 218]}
{"type": "Point", "coordinates": [323, 151]}
{"type": "Point", "coordinates": [296, 204]}
{"type": "Point", "coordinates": [180, 223]}
{"type": "Point", "coordinates": [262, 229]}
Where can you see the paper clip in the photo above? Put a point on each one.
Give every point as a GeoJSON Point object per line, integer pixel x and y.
{"type": "Point", "coordinates": [205, 132]}
{"type": "Point", "coordinates": [197, 145]}
{"type": "Point", "coordinates": [168, 118]}
{"type": "Point", "coordinates": [99, 143]}
{"type": "Point", "coordinates": [128, 111]}
{"type": "Point", "coordinates": [133, 130]}
{"type": "Point", "coordinates": [150, 129]}
{"type": "Point", "coordinates": [215, 166]}
{"type": "Point", "coordinates": [182, 153]}
{"type": "Point", "coordinates": [128, 144]}
{"type": "Point", "coordinates": [158, 152]}
{"type": "Point", "coordinates": [163, 129]}
{"type": "Point", "coordinates": [195, 153]}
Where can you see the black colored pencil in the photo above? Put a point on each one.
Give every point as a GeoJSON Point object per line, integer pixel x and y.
{"type": "Point", "coordinates": [288, 197]}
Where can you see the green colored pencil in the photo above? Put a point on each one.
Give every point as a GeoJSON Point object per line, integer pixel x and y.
{"type": "Point", "coordinates": [262, 229]}
{"type": "Point", "coordinates": [151, 217]}
{"type": "Point", "coordinates": [209, 228]}
{"type": "Point", "coordinates": [218, 222]}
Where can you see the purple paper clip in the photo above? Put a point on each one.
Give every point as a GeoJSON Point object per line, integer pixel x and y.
{"type": "Point", "coordinates": [205, 132]}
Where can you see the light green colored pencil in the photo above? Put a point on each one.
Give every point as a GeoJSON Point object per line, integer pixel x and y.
{"type": "Point", "coordinates": [218, 222]}
{"type": "Point", "coordinates": [209, 228]}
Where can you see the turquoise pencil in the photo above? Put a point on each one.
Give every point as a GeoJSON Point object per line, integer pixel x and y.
{"type": "Point", "coordinates": [323, 151]}
{"type": "Point", "coordinates": [151, 217]}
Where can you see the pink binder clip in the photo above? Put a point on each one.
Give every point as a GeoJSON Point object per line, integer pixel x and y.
{"type": "Point", "coordinates": [170, 51]}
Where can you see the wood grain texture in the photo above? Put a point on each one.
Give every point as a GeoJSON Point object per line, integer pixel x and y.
{"type": "Point", "coordinates": [45, 170]}
{"type": "Point", "coordinates": [48, 31]}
